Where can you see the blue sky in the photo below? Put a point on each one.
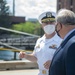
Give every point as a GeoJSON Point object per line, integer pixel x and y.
{"type": "Point", "coordinates": [32, 8]}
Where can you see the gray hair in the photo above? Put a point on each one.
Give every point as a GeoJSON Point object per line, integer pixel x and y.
{"type": "Point", "coordinates": [65, 17]}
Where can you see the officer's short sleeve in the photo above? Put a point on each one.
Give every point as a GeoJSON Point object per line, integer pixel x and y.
{"type": "Point", "coordinates": [34, 51]}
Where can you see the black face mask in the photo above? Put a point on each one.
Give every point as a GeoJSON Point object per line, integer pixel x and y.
{"type": "Point", "coordinates": [57, 31]}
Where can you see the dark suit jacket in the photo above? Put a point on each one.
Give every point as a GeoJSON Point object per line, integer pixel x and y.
{"type": "Point", "coordinates": [63, 62]}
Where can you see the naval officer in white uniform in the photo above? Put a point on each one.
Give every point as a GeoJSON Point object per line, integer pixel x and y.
{"type": "Point", "coordinates": [46, 45]}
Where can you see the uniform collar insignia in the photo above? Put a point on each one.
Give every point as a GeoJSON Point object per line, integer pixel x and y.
{"type": "Point", "coordinates": [54, 46]}
{"type": "Point", "coordinates": [38, 46]}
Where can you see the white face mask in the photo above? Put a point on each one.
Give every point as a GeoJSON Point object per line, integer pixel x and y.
{"type": "Point", "coordinates": [49, 29]}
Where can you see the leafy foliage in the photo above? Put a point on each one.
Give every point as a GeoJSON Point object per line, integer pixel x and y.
{"type": "Point", "coordinates": [4, 14]}
{"type": "Point", "coordinates": [29, 27]}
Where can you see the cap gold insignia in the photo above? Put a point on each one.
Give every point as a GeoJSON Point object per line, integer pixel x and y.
{"type": "Point", "coordinates": [53, 46]}
{"type": "Point", "coordinates": [48, 14]}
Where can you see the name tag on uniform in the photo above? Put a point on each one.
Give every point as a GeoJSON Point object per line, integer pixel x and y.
{"type": "Point", "coordinates": [44, 72]}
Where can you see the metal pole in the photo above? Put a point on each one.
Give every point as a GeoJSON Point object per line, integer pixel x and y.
{"type": "Point", "coordinates": [13, 7]}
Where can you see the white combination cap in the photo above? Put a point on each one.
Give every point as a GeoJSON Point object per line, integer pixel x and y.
{"type": "Point", "coordinates": [47, 17]}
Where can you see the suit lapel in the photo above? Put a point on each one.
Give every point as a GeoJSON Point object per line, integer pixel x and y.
{"type": "Point", "coordinates": [64, 42]}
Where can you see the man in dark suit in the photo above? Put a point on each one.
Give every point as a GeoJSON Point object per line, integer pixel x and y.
{"type": "Point", "coordinates": [63, 62]}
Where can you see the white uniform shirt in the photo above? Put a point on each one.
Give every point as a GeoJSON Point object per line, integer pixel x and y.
{"type": "Point", "coordinates": [44, 50]}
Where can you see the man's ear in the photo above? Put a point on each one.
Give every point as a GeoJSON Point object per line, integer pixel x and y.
{"type": "Point", "coordinates": [59, 25]}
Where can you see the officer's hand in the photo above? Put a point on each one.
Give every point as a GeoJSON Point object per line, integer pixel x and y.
{"type": "Point", "coordinates": [22, 54]}
{"type": "Point", "coordinates": [47, 64]}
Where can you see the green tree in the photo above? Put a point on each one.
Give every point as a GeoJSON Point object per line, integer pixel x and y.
{"type": "Point", "coordinates": [4, 14]}
{"type": "Point", "coordinates": [29, 27]}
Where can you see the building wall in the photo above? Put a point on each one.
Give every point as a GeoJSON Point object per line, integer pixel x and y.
{"type": "Point", "coordinates": [68, 4]}
{"type": "Point", "coordinates": [17, 19]}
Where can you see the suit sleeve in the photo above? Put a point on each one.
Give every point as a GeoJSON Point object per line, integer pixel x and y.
{"type": "Point", "coordinates": [70, 60]}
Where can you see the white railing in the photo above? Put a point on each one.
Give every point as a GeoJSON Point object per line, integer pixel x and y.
{"type": "Point", "coordinates": [15, 31]}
